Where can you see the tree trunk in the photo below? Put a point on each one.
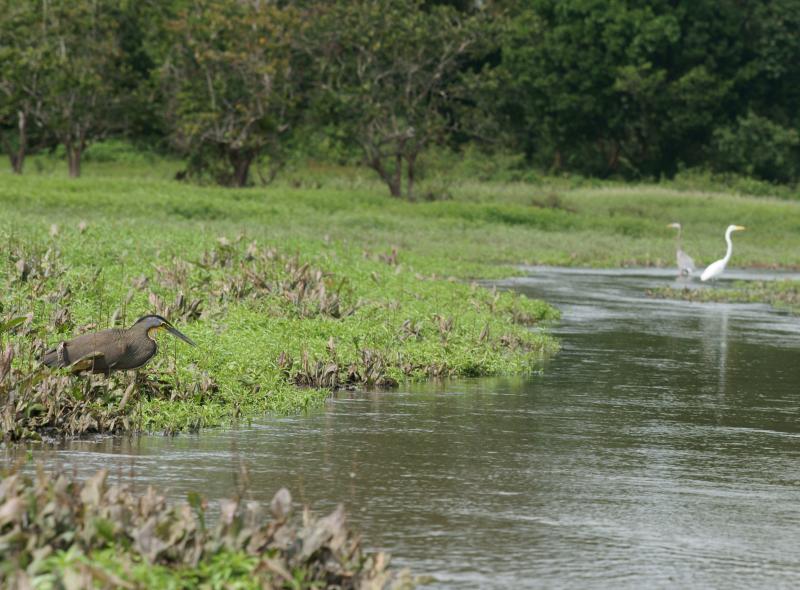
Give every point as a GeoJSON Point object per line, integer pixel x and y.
{"type": "Point", "coordinates": [613, 159]}
{"type": "Point", "coordinates": [240, 160]}
{"type": "Point", "coordinates": [17, 155]}
{"type": "Point", "coordinates": [17, 161]}
{"type": "Point", "coordinates": [398, 176]}
{"type": "Point", "coordinates": [557, 161]}
{"type": "Point", "coordinates": [411, 160]}
{"type": "Point", "coordinates": [391, 180]}
{"type": "Point", "coordinates": [74, 153]}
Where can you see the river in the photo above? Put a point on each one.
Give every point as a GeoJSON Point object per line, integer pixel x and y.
{"type": "Point", "coordinates": [659, 448]}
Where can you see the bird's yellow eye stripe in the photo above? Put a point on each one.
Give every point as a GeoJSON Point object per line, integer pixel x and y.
{"type": "Point", "coordinates": [151, 332]}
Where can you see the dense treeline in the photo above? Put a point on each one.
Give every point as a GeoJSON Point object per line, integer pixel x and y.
{"type": "Point", "coordinates": [620, 88]}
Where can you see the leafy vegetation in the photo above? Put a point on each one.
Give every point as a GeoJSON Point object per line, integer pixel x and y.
{"type": "Point", "coordinates": [645, 88]}
{"type": "Point", "coordinates": [616, 89]}
{"type": "Point", "coordinates": [390, 76]}
{"type": "Point", "coordinates": [231, 80]}
{"type": "Point", "coordinates": [69, 80]}
{"type": "Point", "coordinates": [60, 533]}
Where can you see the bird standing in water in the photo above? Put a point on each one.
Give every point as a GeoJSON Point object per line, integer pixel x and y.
{"type": "Point", "coordinates": [685, 262]}
{"type": "Point", "coordinates": [112, 350]}
{"type": "Point", "coordinates": [715, 269]}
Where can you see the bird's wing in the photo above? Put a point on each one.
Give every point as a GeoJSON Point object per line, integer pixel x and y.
{"type": "Point", "coordinates": [685, 261]}
{"type": "Point", "coordinates": [86, 362]}
{"type": "Point", "coordinates": [712, 270]}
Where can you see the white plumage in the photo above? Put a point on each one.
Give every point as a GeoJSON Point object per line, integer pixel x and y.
{"type": "Point", "coordinates": [715, 269]}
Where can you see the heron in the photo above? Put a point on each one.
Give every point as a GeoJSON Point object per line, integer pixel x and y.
{"type": "Point", "coordinates": [112, 350]}
{"type": "Point", "coordinates": [715, 269]}
{"type": "Point", "coordinates": [685, 262]}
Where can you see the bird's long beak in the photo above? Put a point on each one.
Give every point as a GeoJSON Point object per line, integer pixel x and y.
{"type": "Point", "coordinates": [175, 332]}
{"type": "Point", "coordinates": [740, 228]}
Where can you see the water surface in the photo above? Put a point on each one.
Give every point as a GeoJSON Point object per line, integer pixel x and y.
{"type": "Point", "coordinates": [660, 448]}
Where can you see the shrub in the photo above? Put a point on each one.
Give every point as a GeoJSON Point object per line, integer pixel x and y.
{"type": "Point", "coordinates": [757, 146]}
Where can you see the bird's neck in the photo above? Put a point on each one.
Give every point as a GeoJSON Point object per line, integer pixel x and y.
{"type": "Point", "coordinates": [730, 246]}
{"type": "Point", "coordinates": [140, 330]}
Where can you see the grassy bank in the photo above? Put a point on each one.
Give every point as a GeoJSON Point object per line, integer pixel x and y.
{"type": "Point", "coordinates": [547, 220]}
{"type": "Point", "coordinates": [282, 309]}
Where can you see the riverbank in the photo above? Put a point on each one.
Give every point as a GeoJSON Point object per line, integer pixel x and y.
{"type": "Point", "coordinates": [279, 321]}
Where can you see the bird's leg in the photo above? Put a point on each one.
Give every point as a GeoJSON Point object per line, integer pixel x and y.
{"type": "Point", "coordinates": [128, 391]}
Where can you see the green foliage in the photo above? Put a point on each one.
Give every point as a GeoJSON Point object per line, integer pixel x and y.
{"type": "Point", "coordinates": [390, 73]}
{"type": "Point", "coordinates": [119, 152]}
{"type": "Point", "coordinates": [758, 147]}
{"type": "Point", "coordinates": [615, 89]}
{"type": "Point", "coordinates": [231, 79]}
{"type": "Point", "coordinates": [78, 61]}
{"type": "Point", "coordinates": [637, 89]}
{"type": "Point", "coordinates": [702, 179]}
{"type": "Point", "coordinates": [473, 163]}
{"type": "Point", "coordinates": [20, 131]}
{"type": "Point", "coordinates": [60, 533]}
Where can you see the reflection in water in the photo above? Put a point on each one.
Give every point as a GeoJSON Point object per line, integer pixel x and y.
{"type": "Point", "coordinates": [714, 330]}
{"type": "Point", "coordinates": [658, 449]}
{"type": "Point", "coordinates": [723, 350]}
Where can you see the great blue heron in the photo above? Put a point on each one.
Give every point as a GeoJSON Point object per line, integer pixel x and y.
{"type": "Point", "coordinates": [112, 350]}
{"type": "Point", "coordinates": [685, 262]}
{"type": "Point", "coordinates": [715, 269]}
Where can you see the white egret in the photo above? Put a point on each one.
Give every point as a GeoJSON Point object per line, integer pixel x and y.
{"type": "Point", "coordinates": [717, 268]}
{"type": "Point", "coordinates": [685, 262]}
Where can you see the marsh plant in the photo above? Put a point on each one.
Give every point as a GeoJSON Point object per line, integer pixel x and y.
{"type": "Point", "coordinates": [276, 331]}
{"type": "Point", "coordinates": [56, 532]}
{"type": "Point", "coordinates": [784, 294]}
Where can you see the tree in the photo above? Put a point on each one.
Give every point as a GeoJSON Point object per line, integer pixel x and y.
{"type": "Point", "coordinates": [642, 88]}
{"type": "Point", "coordinates": [390, 73]}
{"type": "Point", "coordinates": [231, 84]}
{"type": "Point", "coordinates": [585, 76]}
{"type": "Point", "coordinates": [79, 70]}
{"type": "Point", "coordinates": [19, 83]}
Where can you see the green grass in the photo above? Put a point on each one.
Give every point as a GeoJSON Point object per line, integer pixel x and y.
{"type": "Point", "coordinates": [553, 221]}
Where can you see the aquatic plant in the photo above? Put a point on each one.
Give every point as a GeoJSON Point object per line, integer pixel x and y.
{"type": "Point", "coordinates": [784, 294]}
{"type": "Point", "coordinates": [297, 286]}
{"type": "Point", "coordinates": [57, 532]}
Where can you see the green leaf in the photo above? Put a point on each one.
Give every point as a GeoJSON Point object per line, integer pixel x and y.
{"type": "Point", "coordinates": [12, 323]}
